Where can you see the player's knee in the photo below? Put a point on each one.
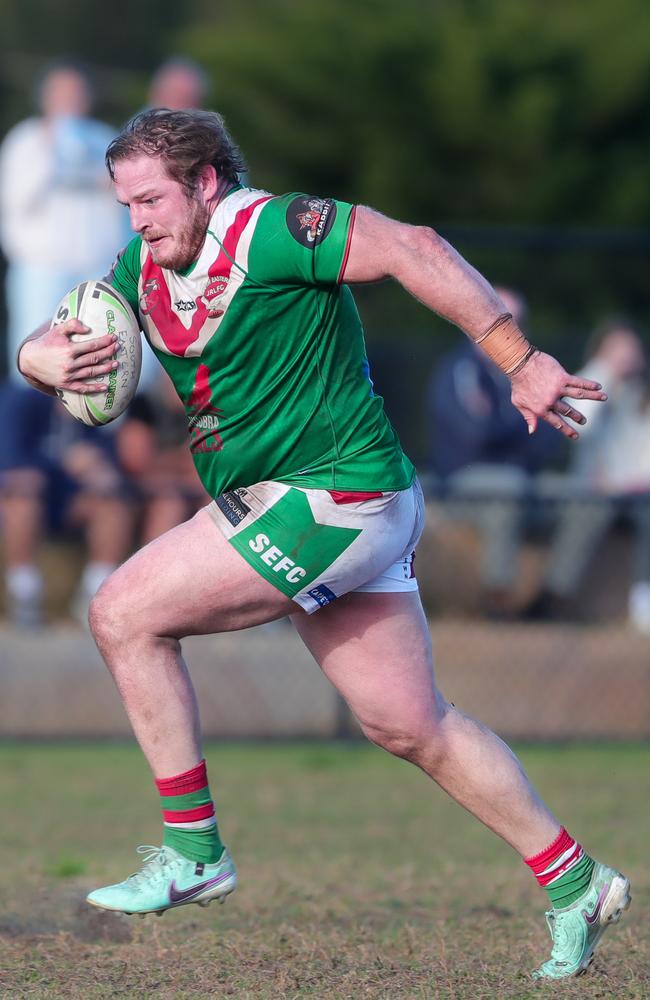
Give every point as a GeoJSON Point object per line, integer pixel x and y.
{"type": "Point", "coordinates": [418, 738]}
{"type": "Point", "coordinates": [409, 742]}
{"type": "Point", "coordinates": [107, 615]}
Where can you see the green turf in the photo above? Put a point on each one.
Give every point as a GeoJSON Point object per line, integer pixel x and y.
{"type": "Point", "coordinates": [358, 879]}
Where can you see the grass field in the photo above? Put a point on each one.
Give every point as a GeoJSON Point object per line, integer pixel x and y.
{"type": "Point", "coordinates": [358, 879]}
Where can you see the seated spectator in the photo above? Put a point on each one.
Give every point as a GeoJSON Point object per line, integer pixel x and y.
{"type": "Point", "coordinates": [483, 457]}
{"type": "Point", "coordinates": [55, 476]}
{"type": "Point", "coordinates": [608, 478]}
{"type": "Point", "coordinates": [152, 445]}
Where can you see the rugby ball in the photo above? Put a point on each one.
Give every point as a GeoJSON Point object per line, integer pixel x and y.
{"type": "Point", "coordinates": [102, 308]}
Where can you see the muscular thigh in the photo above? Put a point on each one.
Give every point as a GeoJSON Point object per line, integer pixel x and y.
{"type": "Point", "coordinates": [190, 581]}
{"type": "Point", "coordinates": [376, 650]}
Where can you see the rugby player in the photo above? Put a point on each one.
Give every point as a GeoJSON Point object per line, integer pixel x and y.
{"type": "Point", "coordinates": [245, 299]}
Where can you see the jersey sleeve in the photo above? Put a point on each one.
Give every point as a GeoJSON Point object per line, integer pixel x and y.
{"type": "Point", "coordinates": [301, 239]}
{"type": "Point", "coordinates": [125, 272]}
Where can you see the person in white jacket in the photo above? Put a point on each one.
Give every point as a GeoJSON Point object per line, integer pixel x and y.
{"type": "Point", "coordinates": [608, 477]}
{"type": "Point", "coordinates": [59, 222]}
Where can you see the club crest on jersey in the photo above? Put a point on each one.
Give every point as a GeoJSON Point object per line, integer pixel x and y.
{"type": "Point", "coordinates": [310, 219]}
{"type": "Point", "coordinates": [150, 297]}
{"type": "Point", "coordinates": [214, 289]}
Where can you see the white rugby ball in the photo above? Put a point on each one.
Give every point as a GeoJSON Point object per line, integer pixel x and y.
{"type": "Point", "coordinates": [102, 308]}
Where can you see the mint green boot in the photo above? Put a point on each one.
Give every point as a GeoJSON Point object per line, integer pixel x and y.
{"type": "Point", "coordinates": [577, 929]}
{"type": "Point", "coordinates": [166, 880]}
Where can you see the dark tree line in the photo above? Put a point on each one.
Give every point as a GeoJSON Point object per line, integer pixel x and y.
{"type": "Point", "coordinates": [478, 113]}
{"type": "Point", "coordinates": [497, 111]}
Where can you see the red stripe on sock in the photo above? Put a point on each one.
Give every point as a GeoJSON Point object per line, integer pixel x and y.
{"type": "Point", "coordinates": [545, 880]}
{"type": "Point", "coordinates": [188, 815]}
{"type": "Point", "coordinates": [180, 784]}
{"type": "Point", "coordinates": [542, 860]}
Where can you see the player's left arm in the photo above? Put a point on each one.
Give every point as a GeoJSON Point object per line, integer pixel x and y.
{"type": "Point", "coordinates": [428, 267]}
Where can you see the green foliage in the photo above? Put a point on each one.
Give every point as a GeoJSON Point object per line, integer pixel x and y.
{"type": "Point", "coordinates": [120, 43]}
{"type": "Point", "coordinates": [446, 112]}
{"type": "Point", "coordinates": [479, 110]}
{"type": "Point", "coordinates": [473, 110]}
{"type": "Point", "coordinates": [494, 112]}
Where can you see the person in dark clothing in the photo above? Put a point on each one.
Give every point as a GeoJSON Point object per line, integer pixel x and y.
{"type": "Point", "coordinates": [483, 458]}
{"type": "Point", "coordinates": [56, 475]}
{"type": "Point", "coordinates": [151, 444]}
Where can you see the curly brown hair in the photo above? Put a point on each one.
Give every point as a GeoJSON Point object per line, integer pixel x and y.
{"type": "Point", "coordinates": [185, 142]}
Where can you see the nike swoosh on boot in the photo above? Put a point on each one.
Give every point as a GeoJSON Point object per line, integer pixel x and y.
{"type": "Point", "coordinates": [179, 895]}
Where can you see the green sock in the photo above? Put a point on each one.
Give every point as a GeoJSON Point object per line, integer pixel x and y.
{"type": "Point", "coordinates": [573, 885]}
{"type": "Point", "coordinates": [197, 845]}
{"type": "Point", "coordinates": [188, 814]}
{"type": "Point", "coordinates": [562, 869]}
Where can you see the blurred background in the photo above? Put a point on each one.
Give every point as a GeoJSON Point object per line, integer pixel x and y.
{"type": "Point", "coordinates": [521, 132]}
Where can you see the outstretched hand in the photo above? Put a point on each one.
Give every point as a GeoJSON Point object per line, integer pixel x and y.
{"type": "Point", "coordinates": [539, 391]}
{"type": "Point", "coordinates": [53, 359]}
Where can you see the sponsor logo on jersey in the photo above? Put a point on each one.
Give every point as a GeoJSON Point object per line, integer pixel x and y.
{"type": "Point", "coordinates": [184, 305]}
{"type": "Point", "coordinates": [276, 559]}
{"type": "Point", "coordinates": [214, 289]}
{"type": "Point", "coordinates": [203, 416]}
{"type": "Point", "coordinates": [203, 429]}
{"type": "Point", "coordinates": [310, 219]}
{"type": "Point", "coordinates": [150, 297]}
{"type": "Point", "coordinates": [233, 507]}
{"type": "Point", "coordinates": [322, 595]}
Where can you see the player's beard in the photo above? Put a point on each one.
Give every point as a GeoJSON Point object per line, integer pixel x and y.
{"type": "Point", "coordinates": [187, 242]}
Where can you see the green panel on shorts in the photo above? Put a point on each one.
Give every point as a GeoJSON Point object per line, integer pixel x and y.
{"type": "Point", "coordinates": [288, 548]}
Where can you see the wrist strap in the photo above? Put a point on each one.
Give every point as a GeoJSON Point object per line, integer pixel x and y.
{"type": "Point", "coordinates": [506, 345]}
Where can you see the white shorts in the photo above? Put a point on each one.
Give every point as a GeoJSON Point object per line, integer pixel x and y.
{"type": "Point", "coordinates": [316, 545]}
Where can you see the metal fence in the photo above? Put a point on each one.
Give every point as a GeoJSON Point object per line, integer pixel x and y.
{"type": "Point", "coordinates": [587, 676]}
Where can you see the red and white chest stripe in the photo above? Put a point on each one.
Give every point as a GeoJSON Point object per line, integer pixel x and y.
{"type": "Point", "coordinates": [181, 314]}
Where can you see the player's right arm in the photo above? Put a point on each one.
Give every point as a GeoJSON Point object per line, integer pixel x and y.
{"type": "Point", "coordinates": [49, 359]}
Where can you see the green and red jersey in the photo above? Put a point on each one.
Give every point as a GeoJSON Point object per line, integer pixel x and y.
{"type": "Point", "coordinates": [265, 348]}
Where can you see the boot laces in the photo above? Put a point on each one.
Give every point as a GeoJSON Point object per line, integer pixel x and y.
{"type": "Point", "coordinates": [155, 858]}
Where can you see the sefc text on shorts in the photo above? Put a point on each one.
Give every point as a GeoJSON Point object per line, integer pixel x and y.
{"type": "Point", "coordinates": [316, 545]}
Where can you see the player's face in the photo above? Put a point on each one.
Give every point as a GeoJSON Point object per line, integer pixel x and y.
{"type": "Point", "coordinates": [172, 223]}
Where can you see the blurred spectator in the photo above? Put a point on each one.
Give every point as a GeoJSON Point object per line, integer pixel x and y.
{"type": "Point", "coordinates": [181, 83]}
{"type": "Point", "coordinates": [59, 220]}
{"type": "Point", "coordinates": [56, 474]}
{"type": "Point", "coordinates": [609, 475]}
{"type": "Point", "coordinates": [483, 458]}
{"type": "Point", "coordinates": [152, 449]}
{"type": "Point", "coordinates": [177, 84]}
{"type": "Point", "coordinates": [59, 224]}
